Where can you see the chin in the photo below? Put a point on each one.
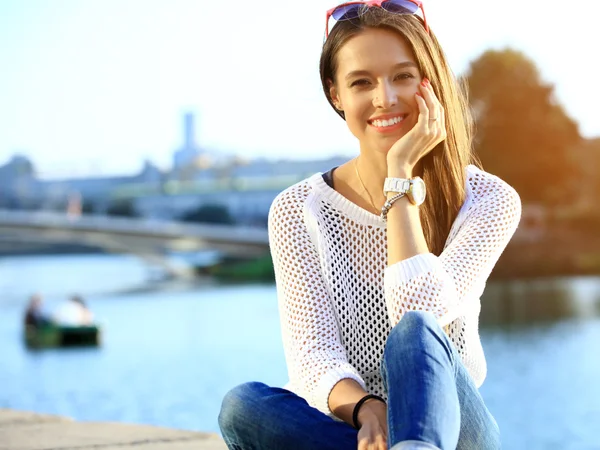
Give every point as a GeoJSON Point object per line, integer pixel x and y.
{"type": "Point", "coordinates": [381, 149]}
{"type": "Point", "coordinates": [384, 145]}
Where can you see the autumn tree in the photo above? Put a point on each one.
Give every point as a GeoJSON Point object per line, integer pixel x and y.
{"type": "Point", "coordinates": [523, 135]}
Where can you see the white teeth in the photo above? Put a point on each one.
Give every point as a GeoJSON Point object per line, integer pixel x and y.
{"type": "Point", "coordinates": [387, 123]}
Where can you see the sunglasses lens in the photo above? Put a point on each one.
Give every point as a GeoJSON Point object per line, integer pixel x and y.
{"type": "Point", "coordinates": [400, 6]}
{"type": "Point", "coordinates": [346, 12]}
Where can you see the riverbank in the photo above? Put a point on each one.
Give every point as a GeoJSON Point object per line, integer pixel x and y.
{"type": "Point", "coordinates": [21, 430]}
{"type": "Point", "coordinates": [557, 252]}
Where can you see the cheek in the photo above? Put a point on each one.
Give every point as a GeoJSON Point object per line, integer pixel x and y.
{"type": "Point", "coordinates": [408, 95]}
{"type": "Point", "coordinates": [358, 110]}
{"type": "Point", "coordinates": [356, 125]}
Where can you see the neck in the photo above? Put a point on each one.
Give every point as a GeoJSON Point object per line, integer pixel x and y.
{"type": "Point", "coordinates": [373, 172]}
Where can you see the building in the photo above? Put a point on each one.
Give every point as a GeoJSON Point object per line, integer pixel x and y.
{"type": "Point", "coordinates": [188, 159]}
{"type": "Point", "coordinates": [198, 178]}
{"type": "Point", "coordinates": [247, 193]}
{"type": "Point", "coordinates": [17, 183]}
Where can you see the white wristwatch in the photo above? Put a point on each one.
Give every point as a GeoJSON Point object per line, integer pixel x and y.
{"type": "Point", "coordinates": [414, 188]}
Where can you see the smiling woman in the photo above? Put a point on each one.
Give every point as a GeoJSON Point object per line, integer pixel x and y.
{"type": "Point", "coordinates": [375, 69]}
{"type": "Point", "coordinates": [380, 263]}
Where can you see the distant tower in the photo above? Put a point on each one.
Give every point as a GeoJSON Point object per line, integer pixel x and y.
{"type": "Point", "coordinates": [189, 130]}
{"type": "Point", "coordinates": [190, 151]}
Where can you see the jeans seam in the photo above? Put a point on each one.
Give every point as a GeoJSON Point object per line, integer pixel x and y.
{"type": "Point", "coordinates": [390, 418]}
{"type": "Point", "coordinates": [451, 350]}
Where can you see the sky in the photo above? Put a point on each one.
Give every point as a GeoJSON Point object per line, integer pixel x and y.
{"type": "Point", "coordinates": [94, 87]}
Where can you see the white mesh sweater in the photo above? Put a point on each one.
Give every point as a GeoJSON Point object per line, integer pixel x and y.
{"type": "Point", "coordinates": [338, 300]}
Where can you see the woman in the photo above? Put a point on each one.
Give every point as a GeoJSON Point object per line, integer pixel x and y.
{"type": "Point", "coordinates": [380, 263]}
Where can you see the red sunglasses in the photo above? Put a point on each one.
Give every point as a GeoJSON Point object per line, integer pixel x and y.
{"type": "Point", "coordinates": [352, 10]}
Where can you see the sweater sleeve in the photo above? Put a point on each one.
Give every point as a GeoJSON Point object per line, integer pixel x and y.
{"type": "Point", "coordinates": [445, 285]}
{"type": "Point", "coordinates": [315, 357]}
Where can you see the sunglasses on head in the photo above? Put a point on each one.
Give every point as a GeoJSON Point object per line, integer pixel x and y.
{"type": "Point", "coordinates": [352, 10]}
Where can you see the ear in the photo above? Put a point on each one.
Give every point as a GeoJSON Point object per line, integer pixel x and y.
{"type": "Point", "coordinates": [335, 98]}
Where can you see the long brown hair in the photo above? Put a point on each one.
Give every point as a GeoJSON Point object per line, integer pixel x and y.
{"type": "Point", "coordinates": [444, 168]}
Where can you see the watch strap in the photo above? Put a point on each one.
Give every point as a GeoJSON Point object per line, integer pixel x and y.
{"type": "Point", "coordinates": [398, 185]}
{"type": "Point", "coordinates": [388, 204]}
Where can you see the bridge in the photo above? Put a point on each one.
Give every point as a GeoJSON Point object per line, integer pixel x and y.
{"type": "Point", "coordinates": [147, 238]}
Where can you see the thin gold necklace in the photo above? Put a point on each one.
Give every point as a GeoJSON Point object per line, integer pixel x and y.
{"type": "Point", "coordinates": [363, 185]}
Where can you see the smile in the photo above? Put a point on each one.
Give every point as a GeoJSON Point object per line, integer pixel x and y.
{"type": "Point", "coordinates": [387, 124]}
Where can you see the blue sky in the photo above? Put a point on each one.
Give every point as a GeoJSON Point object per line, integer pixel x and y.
{"type": "Point", "coordinates": [96, 86]}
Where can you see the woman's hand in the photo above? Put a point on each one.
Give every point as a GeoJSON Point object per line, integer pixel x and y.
{"type": "Point", "coordinates": [372, 434]}
{"type": "Point", "coordinates": [423, 137]}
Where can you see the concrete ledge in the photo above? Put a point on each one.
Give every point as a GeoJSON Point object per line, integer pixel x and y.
{"type": "Point", "coordinates": [21, 430]}
{"type": "Point", "coordinates": [10, 418]}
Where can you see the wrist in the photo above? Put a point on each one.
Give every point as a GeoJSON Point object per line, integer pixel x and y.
{"type": "Point", "coordinates": [399, 169]}
{"type": "Point", "coordinates": [370, 411]}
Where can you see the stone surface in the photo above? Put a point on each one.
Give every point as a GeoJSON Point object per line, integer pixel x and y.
{"type": "Point", "coordinates": [12, 417]}
{"type": "Point", "coordinates": [30, 431]}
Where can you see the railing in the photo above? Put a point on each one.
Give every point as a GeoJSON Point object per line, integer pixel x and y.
{"type": "Point", "coordinates": [139, 227]}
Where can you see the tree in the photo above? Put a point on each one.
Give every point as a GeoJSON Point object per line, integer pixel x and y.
{"type": "Point", "coordinates": [209, 214]}
{"type": "Point", "coordinates": [122, 208]}
{"type": "Point", "coordinates": [522, 134]}
{"type": "Point", "coordinates": [88, 206]}
{"type": "Point", "coordinates": [588, 157]}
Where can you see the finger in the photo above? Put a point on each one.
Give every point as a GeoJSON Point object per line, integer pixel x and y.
{"type": "Point", "coordinates": [433, 103]}
{"type": "Point", "coordinates": [381, 442]}
{"type": "Point", "coordinates": [362, 444]}
{"type": "Point", "coordinates": [428, 95]}
{"type": "Point", "coordinates": [425, 126]}
{"type": "Point", "coordinates": [423, 111]}
{"type": "Point", "coordinates": [439, 125]}
{"type": "Point", "coordinates": [432, 95]}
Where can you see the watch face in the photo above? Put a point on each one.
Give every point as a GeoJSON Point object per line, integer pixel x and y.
{"type": "Point", "coordinates": [418, 190]}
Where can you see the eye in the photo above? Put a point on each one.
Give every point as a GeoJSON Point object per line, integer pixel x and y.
{"type": "Point", "coordinates": [361, 82]}
{"type": "Point", "coordinates": [404, 76]}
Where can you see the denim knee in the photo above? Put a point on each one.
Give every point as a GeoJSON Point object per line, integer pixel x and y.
{"type": "Point", "coordinates": [237, 404]}
{"type": "Point", "coordinates": [414, 329]}
{"type": "Point", "coordinates": [418, 319]}
{"type": "Point", "coordinates": [487, 438]}
{"type": "Point", "coordinates": [412, 323]}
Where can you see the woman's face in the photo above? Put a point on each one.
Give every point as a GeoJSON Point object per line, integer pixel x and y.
{"type": "Point", "coordinates": [375, 85]}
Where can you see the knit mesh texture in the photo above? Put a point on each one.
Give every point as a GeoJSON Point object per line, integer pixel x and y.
{"type": "Point", "coordinates": [338, 300]}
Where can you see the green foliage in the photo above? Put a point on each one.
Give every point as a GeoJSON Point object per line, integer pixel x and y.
{"type": "Point", "coordinates": [122, 208]}
{"type": "Point", "coordinates": [522, 134]}
{"type": "Point", "coordinates": [88, 207]}
{"type": "Point", "coordinates": [209, 214]}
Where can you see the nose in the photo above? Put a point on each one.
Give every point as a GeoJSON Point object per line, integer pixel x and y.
{"type": "Point", "coordinates": [385, 96]}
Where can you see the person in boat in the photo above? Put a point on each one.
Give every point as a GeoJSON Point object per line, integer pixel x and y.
{"type": "Point", "coordinates": [74, 312]}
{"type": "Point", "coordinates": [87, 318]}
{"type": "Point", "coordinates": [380, 263]}
{"type": "Point", "coordinates": [34, 314]}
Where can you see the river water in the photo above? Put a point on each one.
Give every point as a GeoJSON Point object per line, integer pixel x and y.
{"type": "Point", "coordinates": [172, 350]}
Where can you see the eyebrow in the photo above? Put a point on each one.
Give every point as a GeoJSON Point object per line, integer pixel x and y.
{"type": "Point", "coordinates": [356, 73]}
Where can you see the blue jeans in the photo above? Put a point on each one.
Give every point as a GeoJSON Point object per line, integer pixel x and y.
{"type": "Point", "coordinates": [431, 400]}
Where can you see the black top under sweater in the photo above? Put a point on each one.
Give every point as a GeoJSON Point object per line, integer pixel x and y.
{"type": "Point", "coordinates": [328, 177]}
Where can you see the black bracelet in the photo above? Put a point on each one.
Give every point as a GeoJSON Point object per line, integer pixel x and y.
{"type": "Point", "coordinates": [359, 404]}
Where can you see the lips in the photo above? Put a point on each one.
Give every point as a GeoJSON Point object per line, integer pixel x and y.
{"type": "Point", "coordinates": [388, 122]}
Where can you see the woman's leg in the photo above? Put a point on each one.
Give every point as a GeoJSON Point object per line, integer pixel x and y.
{"type": "Point", "coordinates": [431, 397]}
{"type": "Point", "coordinates": [478, 428]}
{"type": "Point", "coordinates": [255, 416]}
